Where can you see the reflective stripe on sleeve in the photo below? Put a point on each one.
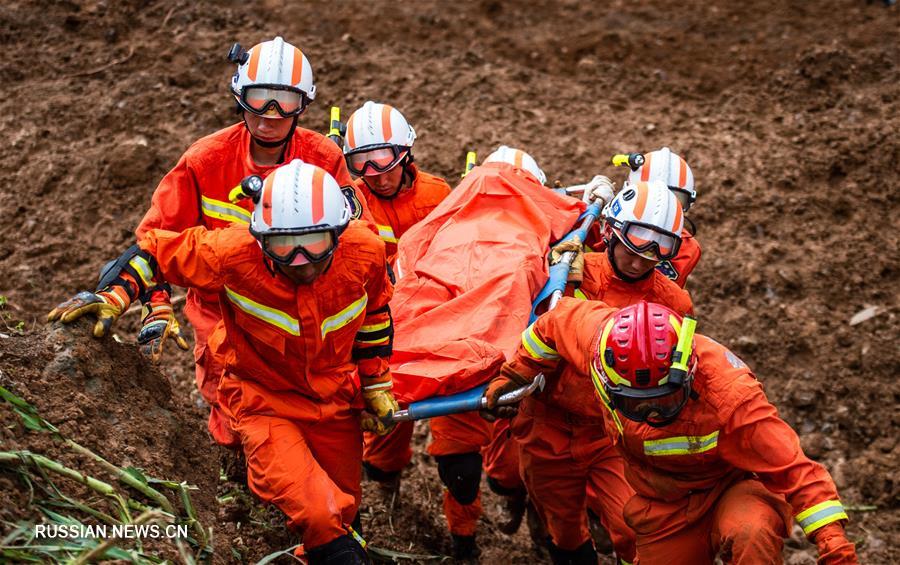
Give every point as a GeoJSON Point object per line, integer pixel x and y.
{"type": "Point", "coordinates": [535, 347]}
{"type": "Point", "coordinates": [370, 328]}
{"type": "Point", "coordinates": [820, 515]}
{"type": "Point", "coordinates": [265, 313]}
{"type": "Point", "coordinates": [345, 316]}
{"type": "Point", "coordinates": [386, 233]}
{"type": "Point", "coordinates": [682, 445]}
{"type": "Point", "coordinates": [143, 269]}
{"type": "Point", "coordinates": [226, 211]}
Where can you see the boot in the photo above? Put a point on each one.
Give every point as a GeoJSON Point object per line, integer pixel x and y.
{"type": "Point", "coordinates": [581, 555]}
{"type": "Point", "coordinates": [536, 529]}
{"type": "Point", "coordinates": [464, 547]}
{"type": "Point", "coordinates": [514, 501]}
{"type": "Point", "coordinates": [513, 512]}
{"type": "Point", "coordinates": [601, 537]}
{"type": "Point", "coordinates": [342, 550]}
{"type": "Point", "coordinates": [388, 481]}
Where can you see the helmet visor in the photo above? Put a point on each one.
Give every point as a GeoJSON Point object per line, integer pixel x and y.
{"type": "Point", "coordinates": [649, 241]}
{"type": "Point", "coordinates": [273, 102]}
{"type": "Point", "coordinates": [656, 405]}
{"type": "Point", "coordinates": [299, 249]}
{"type": "Point", "coordinates": [375, 161]}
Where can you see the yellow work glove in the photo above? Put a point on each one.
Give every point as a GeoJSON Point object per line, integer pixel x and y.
{"type": "Point", "coordinates": [576, 270]}
{"type": "Point", "coordinates": [107, 305]}
{"type": "Point", "coordinates": [380, 405]}
{"type": "Point", "coordinates": [158, 323]}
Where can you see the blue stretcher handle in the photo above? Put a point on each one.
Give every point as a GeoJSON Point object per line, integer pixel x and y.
{"type": "Point", "coordinates": [559, 273]}
{"type": "Point", "coordinates": [466, 401]}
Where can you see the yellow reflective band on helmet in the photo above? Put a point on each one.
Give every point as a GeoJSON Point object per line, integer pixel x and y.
{"type": "Point", "coordinates": [265, 313]}
{"type": "Point", "coordinates": [345, 316]}
{"type": "Point", "coordinates": [604, 398]}
{"type": "Point", "coordinates": [224, 211]}
{"type": "Point", "coordinates": [820, 515]}
{"type": "Point", "coordinates": [535, 347]}
{"type": "Point", "coordinates": [386, 233]}
{"type": "Point", "coordinates": [611, 374]}
{"type": "Point", "coordinates": [682, 445]}
{"type": "Point", "coordinates": [143, 269]}
{"type": "Point", "coordinates": [579, 295]}
{"type": "Point", "coordinates": [369, 328]}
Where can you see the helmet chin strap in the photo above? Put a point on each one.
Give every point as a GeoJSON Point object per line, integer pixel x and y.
{"type": "Point", "coordinates": [613, 241]}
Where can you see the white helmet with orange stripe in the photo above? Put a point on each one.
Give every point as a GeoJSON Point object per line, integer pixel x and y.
{"type": "Point", "coordinates": [274, 79]}
{"type": "Point", "coordinates": [299, 213]}
{"type": "Point", "coordinates": [672, 170]}
{"type": "Point", "coordinates": [378, 139]}
{"type": "Point", "coordinates": [647, 218]}
{"type": "Point", "coordinates": [517, 158]}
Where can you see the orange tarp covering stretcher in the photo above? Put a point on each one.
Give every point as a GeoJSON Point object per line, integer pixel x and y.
{"type": "Point", "coordinates": [467, 276]}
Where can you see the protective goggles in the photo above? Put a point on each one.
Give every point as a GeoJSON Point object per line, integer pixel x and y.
{"type": "Point", "coordinates": [268, 100]}
{"type": "Point", "coordinates": [369, 162]}
{"type": "Point", "coordinates": [684, 196]}
{"type": "Point", "coordinates": [647, 240]}
{"type": "Point", "coordinates": [658, 405]}
{"type": "Point", "coordinates": [299, 249]}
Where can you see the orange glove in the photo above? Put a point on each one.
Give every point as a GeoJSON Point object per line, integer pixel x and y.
{"type": "Point", "coordinates": [107, 305]}
{"type": "Point", "coordinates": [834, 547]}
{"type": "Point", "coordinates": [158, 323]}
{"type": "Point", "coordinates": [507, 381]}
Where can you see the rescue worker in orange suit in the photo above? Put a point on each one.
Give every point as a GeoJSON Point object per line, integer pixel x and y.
{"type": "Point", "coordinates": [567, 460]}
{"type": "Point", "coordinates": [501, 457]}
{"type": "Point", "coordinates": [378, 148]}
{"type": "Point", "coordinates": [716, 472]}
{"type": "Point", "coordinates": [273, 85]}
{"type": "Point", "coordinates": [457, 440]}
{"type": "Point", "coordinates": [673, 170]}
{"type": "Point", "coordinates": [305, 336]}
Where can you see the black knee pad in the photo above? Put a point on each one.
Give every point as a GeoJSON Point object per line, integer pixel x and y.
{"type": "Point", "coordinates": [343, 550]}
{"type": "Point", "coordinates": [461, 473]}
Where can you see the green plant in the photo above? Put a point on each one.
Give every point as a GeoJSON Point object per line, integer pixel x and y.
{"type": "Point", "coordinates": [35, 471]}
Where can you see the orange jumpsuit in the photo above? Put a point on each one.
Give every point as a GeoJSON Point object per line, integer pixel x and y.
{"type": "Point", "coordinates": [679, 268]}
{"type": "Point", "coordinates": [566, 458]}
{"type": "Point", "coordinates": [724, 478]}
{"type": "Point", "coordinates": [195, 193]}
{"type": "Point", "coordinates": [294, 356]}
{"type": "Point", "coordinates": [600, 282]}
{"type": "Point", "coordinates": [393, 216]}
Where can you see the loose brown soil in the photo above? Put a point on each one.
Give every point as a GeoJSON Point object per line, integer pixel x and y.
{"type": "Point", "coordinates": [787, 112]}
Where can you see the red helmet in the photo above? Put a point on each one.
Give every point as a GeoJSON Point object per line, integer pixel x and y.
{"type": "Point", "coordinates": [644, 363]}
